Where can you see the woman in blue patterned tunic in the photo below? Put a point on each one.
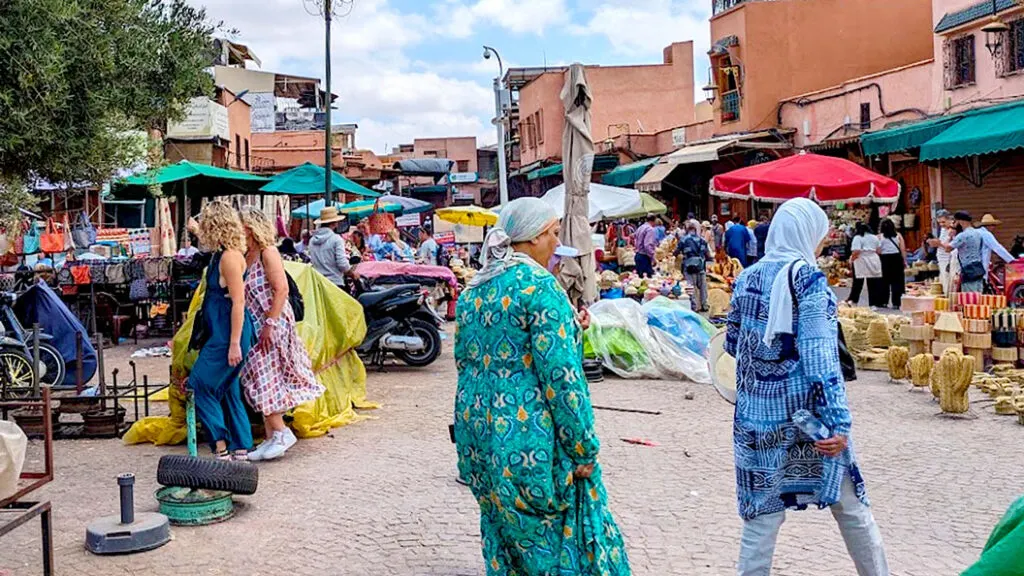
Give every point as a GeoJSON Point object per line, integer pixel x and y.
{"type": "Point", "coordinates": [524, 425]}
{"type": "Point", "coordinates": [779, 372]}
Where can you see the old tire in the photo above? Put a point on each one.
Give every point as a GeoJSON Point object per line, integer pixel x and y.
{"type": "Point", "coordinates": [207, 474]}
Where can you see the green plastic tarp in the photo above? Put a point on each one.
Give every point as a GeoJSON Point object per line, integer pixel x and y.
{"type": "Point", "coordinates": [197, 179]}
{"type": "Point", "coordinates": [309, 179]}
{"type": "Point", "coordinates": [984, 131]}
{"type": "Point", "coordinates": [648, 205]}
{"type": "Point", "coordinates": [628, 174]}
{"type": "Point", "coordinates": [906, 136]}
{"type": "Point", "coordinates": [1003, 554]}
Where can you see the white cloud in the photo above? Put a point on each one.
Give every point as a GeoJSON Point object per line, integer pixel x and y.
{"type": "Point", "coordinates": [652, 25]}
{"type": "Point", "coordinates": [391, 97]}
{"type": "Point", "coordinates": [518, 16]}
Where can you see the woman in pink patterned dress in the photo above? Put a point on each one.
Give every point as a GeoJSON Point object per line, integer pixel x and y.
{"type": "Point", "coordinates": [278, 374]}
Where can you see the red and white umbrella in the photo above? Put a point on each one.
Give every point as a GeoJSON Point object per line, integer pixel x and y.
{"type": "Point", "coordinates": [825, 179]}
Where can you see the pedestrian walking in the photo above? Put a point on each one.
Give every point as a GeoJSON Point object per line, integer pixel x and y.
{"type": "Point", "coordinates": [228, 333]}
{"type": "Point", "coordinates": [695, 252]}
{"type": "Point", "coordinates": [278, 374]}
{"type": "Point", "coordinates": [327, 248]}
{"type": "Point", "coordinates": [783, 332]}
{"type": "Point", "coordinates": [752, 246]}
{"type": "Point", "coordinates": [991, 244]}
{"type": "Point", "coordinates": [893, 253]}
{"type": "Point", "coordinates": [708, 234]}
{"type": "Point", "coordinates": [524, 425]}
{"type": "Point", "coordinates": [867, 266]}
{"type": "Point", "coordinates": [737, 238]}
{"type": "Point", "coordinates": [719, 231]}
{"type": "Point", "coordinates": [761, 233]}
{"type": "Point", "coordinates": [646, 242]}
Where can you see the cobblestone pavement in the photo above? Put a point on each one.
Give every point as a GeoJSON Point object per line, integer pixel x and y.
{"type": "Point", "coordinates": [380, 497]}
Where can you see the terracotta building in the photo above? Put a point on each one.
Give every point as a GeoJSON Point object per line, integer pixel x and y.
{"type": "Point", "coordinates": [764, 51]}
{"type": "Point", "coordinates": [628, 100]}
{"type": "Point", "coordinates": [215, 131]}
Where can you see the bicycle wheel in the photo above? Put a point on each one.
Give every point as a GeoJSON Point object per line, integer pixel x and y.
{"type": "Point", "coordinates": [51, 366]}
{"type": "Point", "coordinates": [15, 374]}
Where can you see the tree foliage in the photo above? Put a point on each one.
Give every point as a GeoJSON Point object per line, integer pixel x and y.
{"type": "Point", "coordinates": [76, 76]}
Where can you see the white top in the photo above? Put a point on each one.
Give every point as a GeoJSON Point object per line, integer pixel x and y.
{"type": "Point", "coordinates": [867, 264]}
{"type": "Point", "coordinates": [890, 246]}
{"type": "Point", "coordinates": [945, 236]}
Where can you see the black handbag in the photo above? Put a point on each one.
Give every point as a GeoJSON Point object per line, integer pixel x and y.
{"type": "Point", "coordinates": [846, 361]}
{"type": "Point", "coordinates": [295, 299]}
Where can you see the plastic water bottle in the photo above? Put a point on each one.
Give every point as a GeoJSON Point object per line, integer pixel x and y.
{"type": "Point", "coordinates": [810, 425]}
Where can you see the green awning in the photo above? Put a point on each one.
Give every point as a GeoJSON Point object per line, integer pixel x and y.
{"type": "Point", "coordinates": [648, 205]}
{"type": "Point", "coordinates": [905, 136]}
{"type": "Point", "coordinates": [427, 190]}
{"type": "Point", "coordinates": [545, 172]}
{"type": "Point", "coordinates": [628, 174]}
{"type": "Point", "coordinates": [309, 179]}
{"type": "Point", "coordinates": [605, 162]}
{"type": "Point", "coordinates": [982, 131]}
{"type": "Point", "coordinates": [201, 179]}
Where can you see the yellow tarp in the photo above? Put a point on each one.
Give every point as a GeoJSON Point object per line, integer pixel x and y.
{"type": "Point", "coordinates": [332, 328]}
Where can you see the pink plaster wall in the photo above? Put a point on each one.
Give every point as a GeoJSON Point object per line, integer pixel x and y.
{"type": "Point", "coordinates": [988, 88]}
{"type": "Point", "coordinates": [648, 98]}
{"type": "Point", "coordinates": [902, 89]}
{"type": "Point", "coordinates": [789, 47]}
{"type": "Point", "coordinates": [462, 148]}
{"type": "Point", "coordinates": [284, 150]}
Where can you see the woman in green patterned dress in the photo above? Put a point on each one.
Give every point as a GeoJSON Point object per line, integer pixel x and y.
{"type": "Point", "coordinates": [524, 426]}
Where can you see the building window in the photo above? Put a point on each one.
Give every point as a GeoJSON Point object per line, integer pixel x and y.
{"type": "Point", "coordinates": [430, 153]}
{"type": "Point", "coordinates": [247, 166]}
{"type": "Point", "coordinates": [540, 126]}
{"type": "Point", "coordinates": [463, 165]}
{"type": "Point", "coordinates": [958, 65]}
{"type": "Point", "coordinates": [238, 151]}
{"type": "Point", "coordinates": [731, 106]}
{"type": "Point", "coordinates": [1015, 46]}
{"type": "Point", "coordinates": [865, 116]}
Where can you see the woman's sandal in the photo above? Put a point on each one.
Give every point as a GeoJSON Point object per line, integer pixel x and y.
{"type": "Point", "coordinates": [240, 456]}
{"type": "Point", "coordinates": [223, 455]}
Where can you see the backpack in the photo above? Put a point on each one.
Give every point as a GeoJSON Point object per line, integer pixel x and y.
{"type": "Point", "coordinates": [693, 262]}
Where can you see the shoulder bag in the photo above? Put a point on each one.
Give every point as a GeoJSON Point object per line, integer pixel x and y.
{"type": "Point", "coordinates": [846, 361]}
{"type": "Point", "coordinates": [51, 241]}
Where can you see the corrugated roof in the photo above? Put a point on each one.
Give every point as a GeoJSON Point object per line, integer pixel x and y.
{"type": "Point", "coordinates": [974, 12]}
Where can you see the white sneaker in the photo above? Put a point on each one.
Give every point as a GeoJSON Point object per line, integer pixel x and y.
{"type": "Point", "coordinates": [289, 438]}
{"type": "Point", "coordinates": [276, 448]}
{"type": "Point", "coordinates": [257, 454]}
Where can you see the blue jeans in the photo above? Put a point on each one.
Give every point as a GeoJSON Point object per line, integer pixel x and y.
{"type": "Point", "coordinates": [644, 265]}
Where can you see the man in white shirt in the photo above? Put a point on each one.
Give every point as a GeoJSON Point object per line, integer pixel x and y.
{"type": "Point", "coordinates": [991, 244]}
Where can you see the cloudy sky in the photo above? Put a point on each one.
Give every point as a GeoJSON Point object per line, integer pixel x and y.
{"type": "Point", "coordinates": [414, 68]}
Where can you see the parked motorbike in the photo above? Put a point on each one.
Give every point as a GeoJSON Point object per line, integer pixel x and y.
{"type": "Point", "coordinates": [16, 354]}
{"type": "Point", "coordinates": [399, 322]}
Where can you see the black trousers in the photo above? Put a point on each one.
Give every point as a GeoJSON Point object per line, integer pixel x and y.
{"type": "Point", "coordinates": [877, 294]}
{"type": "Point", "coordinates": [894, 278]}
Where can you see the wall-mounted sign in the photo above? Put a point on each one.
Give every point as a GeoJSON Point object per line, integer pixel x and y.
{"type": "Point", "coordinates": [679, 137]}
{"type": "Point", "coordinates": [462, 177]}
{"type": "Point", "coordinates": [445, 237]}
{"type": "Point", "coordinates": [407, 221]}
{"type": "Point", "coordinates": [262, 111]}
{"type": "Point", "coordinates": [204, 118]}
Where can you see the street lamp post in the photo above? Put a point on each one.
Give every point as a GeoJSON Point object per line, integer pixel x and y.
{"type": "Point", "coordinates": [500, 125]}
{"type": "Point", "coordinates": [328, 147]}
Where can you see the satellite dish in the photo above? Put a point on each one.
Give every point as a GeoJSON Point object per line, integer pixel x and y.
{"type": "Point", "coordinates": [722, 367]}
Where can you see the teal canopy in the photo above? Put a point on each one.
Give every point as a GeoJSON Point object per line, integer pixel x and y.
{"type": "Point", "coordinates": [545, 172]}
{"type": "Point", "coordinates": [188, 177]}
{"type": "Point", "coordinates": [905, 136]}
{"type": "Point", "coordinates": [309, 179]}
{"type": "Point", "coordinates": [984, 131]}
{"type": "Point", "coordinates": [628, 174]}
{"type": "Point", "coordinates": [362, 208]}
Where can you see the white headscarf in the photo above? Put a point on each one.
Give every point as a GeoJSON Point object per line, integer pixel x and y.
{"type": "Point", "coordinates": [521, 220]}
{"type": "Point", "coordinates": [797, 229]}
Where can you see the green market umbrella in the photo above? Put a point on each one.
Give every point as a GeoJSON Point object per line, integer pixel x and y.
{"type": "Point", "coordinates": [189, 179]}
{"type": "Point", "coordinates": [309, 179]}
{"type": "Point", "coordinates": [362, 208]}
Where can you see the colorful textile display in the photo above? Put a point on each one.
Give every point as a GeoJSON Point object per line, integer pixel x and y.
{"type": "Point", "coordinates": [333, 326]}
